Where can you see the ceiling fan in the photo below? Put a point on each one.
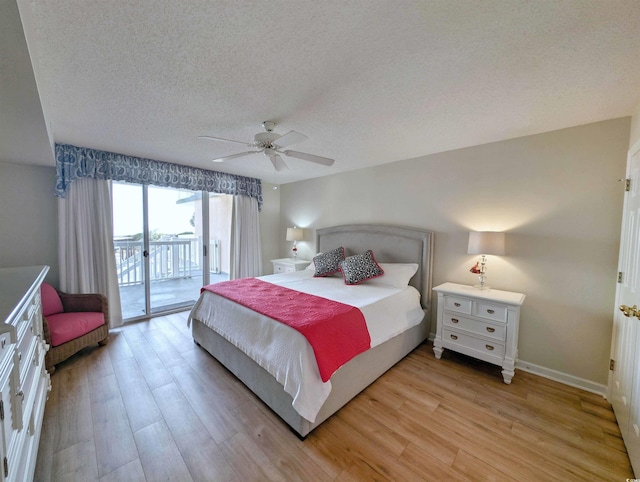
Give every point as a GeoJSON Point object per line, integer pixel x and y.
{"type": "Point", "coordinates": [271, 145]}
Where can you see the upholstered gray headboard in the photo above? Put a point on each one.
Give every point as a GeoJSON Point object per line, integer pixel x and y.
{"type": "Point", "coordinates": [390, 244]}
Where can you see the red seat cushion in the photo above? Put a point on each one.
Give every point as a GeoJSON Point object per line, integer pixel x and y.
{"type": "Point", "coordinates": [51, 302]}
{"type": "Point", "coordinates": [64, 327]}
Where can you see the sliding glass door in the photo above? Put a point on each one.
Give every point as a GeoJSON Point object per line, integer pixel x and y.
{"type": "Point", "coordinates": [162, 247]}
{"type": "Point", "coordinates": [129, 244]}
{"type": "Point", "coordinates": [174, 253]}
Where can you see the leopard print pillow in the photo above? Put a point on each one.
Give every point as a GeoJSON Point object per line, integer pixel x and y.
{"type": "Point", "coordinates": [360, 267]}
{"type": "Point", "coordinates": [328, 263]}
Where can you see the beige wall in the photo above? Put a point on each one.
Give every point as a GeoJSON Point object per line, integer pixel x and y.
{"type": "Point", "coordinates": [28, 217]}
{"type": "Point", "coordinates": [556, 195]}
{"type": "Point", "coordinates": [634, 137]}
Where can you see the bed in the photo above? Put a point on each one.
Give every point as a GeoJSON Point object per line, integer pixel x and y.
{"type": "Point", "coordinates": [390, 244]}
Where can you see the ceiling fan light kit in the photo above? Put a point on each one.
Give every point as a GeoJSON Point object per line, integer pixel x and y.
{"type": "Point", "coordinates": [271, 144]}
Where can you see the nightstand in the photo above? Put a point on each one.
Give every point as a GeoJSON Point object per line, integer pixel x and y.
{"type": "Point", "coordinates": [480, 323]}
{"type": "Point", "coordinates": [289, 265]}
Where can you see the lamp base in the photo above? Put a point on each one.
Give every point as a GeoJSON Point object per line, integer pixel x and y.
{"type": "Point", "coordinates": [482, 281]}
{"type": "Point", "coordinates": [480, 286]}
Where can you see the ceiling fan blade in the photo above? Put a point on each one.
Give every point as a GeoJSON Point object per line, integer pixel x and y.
{"type": "Point", "coordinates": [291, 137]}
{"type": "Point", "coordinates": [310, 157]}
{"type": "Point", "coordinates": [224, 140]}
{"type": "Point", "coordinates": [233, 156]}
{"type": "Point", "coordinates": [277, 162]}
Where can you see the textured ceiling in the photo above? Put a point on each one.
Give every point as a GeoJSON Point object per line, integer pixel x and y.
{"type": "Point", "coordinates": [368, 81]}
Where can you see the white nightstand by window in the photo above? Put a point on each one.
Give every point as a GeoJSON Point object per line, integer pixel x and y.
{"type": "Point", "coordinates": [483, 324]}
{"type": "Point", "coordinates": [289, 265]}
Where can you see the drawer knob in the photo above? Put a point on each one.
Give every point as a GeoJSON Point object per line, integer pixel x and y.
{"type": "Point", "coordinates": [454, 320]}
{"type": "Point", "coordinates": [489, 347]}
{"type": "Point", "coordinates": [457, 305]}
{"type": "Point", "coordinates": [490, 330]}
{"type": "Point", "coordinates": [454, 337]}
{"type": "Point", "coordinates": [491, 312]}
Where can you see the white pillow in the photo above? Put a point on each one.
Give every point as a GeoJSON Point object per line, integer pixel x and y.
{"type": "Point", "coordinates": [396, 275]}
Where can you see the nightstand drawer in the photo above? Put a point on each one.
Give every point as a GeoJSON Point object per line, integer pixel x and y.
{"type": "Point", "coordinates": [289, 265]}
{"type": "Point", "coordinates": [496, 332]}
{"type": "Point", "coordinates": [487, 347]}
{"type": "Point", "coordinates": [280, 268]}
{"type": "Point", "coordinates": [460, 305]}
{"type": "Point", "coordinates": [490, 311]}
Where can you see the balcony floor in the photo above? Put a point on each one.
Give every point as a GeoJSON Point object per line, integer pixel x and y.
{"type": "Point", "coordinates": [166, 295]}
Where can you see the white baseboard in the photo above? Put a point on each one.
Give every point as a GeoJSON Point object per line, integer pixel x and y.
{"type": "Point", "coordinates": [561, 377]}
{"type": "Point", "coordinates": [557, 376]}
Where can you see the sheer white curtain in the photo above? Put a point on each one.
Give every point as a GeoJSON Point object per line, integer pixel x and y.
{"type": "Point", "coordinates": [246, 255]}
{"type": "Point", "coordinates": [86, 253]}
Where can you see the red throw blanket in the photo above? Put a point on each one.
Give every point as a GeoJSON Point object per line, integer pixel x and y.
{"type": "Point", "coordinates": [336, 332]}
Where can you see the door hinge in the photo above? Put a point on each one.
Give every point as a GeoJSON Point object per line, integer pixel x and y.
{"type": "Point", "coordinates": [204, 250]}
{"type": "Point", "coordinates": [612, 364]}
{"type": "Point", "coordinates": [619, 276]}
{"type": "Point", "coordinates": [1, 410]}
{"type": "Point", "coordinates": [6, 468]}
{"type": "Point", "coordinates": [627, 185]}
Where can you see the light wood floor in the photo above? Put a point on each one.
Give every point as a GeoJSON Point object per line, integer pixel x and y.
{"type": "Point", "coordinates": [151, 406]}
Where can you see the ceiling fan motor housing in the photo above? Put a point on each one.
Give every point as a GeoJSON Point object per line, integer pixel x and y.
{"type": "Point", "coordinates": [266, 139]}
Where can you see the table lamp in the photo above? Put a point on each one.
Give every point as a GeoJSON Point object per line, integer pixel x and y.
{"type": "Point", "coordinates": [484, 243]}
{"type": "Point", "coordinates": [295, 234]}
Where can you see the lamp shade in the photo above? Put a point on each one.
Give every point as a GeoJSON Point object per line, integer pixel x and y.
{"type": "Point", "coordinates": [486, 242]}
{"type": "Point", "coordinates": [295, 234]}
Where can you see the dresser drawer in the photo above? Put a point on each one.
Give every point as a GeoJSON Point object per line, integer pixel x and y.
{"type": "Point", "coordinates": [29, 317]}
{"type": "Point", "coordinates": [490, 311]}
{"type": "Point", "coordinates": [495, 331]}
{"type": "Point", "coordinates": [488, 348]}
{"type": "Point", "coordinates": [6, 347]}
{"type": "Point", "coordinates": [26, 348]}
{"type": "Point", "coordinates": [31, 309]}
{"type": "Point", "coordinates": [6, 425]}
{"type": "Point", "coordinates": [27, 391]}
{"type": "Point", "coordinates": [459, 305]}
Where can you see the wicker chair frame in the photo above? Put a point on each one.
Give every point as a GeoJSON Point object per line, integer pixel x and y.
{"type": "Point", "coordinates": [76, 303]}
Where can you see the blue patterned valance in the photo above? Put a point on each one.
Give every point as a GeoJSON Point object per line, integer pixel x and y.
{"type": "Point", "coordinates": [76, 162]}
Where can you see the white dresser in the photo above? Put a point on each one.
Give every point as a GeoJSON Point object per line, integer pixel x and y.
{"type": "Point", "coordinates": [24, 382]}
{"type": "Point", "coordinates": [483, 324]}
{"type": "Point", "coordinates": [289, 265]}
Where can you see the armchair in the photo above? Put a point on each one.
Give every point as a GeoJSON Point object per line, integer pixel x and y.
{"type": "Point", "coordinates": [72, 322]}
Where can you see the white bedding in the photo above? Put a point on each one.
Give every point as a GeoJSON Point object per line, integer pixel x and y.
{"type": "Point", "coordinates": [284, 352]}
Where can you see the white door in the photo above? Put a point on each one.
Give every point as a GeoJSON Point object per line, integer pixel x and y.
{"type": "Point", "coordinates": [624, 379]}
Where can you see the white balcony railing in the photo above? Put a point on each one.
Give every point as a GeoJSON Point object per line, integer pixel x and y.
{"type": "Point", "coordinates": [168, 259]}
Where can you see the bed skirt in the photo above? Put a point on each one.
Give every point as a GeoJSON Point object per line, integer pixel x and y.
{"type": "Point", "coordinates": [347, 382]}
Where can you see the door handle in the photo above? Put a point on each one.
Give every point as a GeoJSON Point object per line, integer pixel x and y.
{"type": "Point", "coordinates": [145, 253]}
{"type": "Point", "coordinates": [630, 311]}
